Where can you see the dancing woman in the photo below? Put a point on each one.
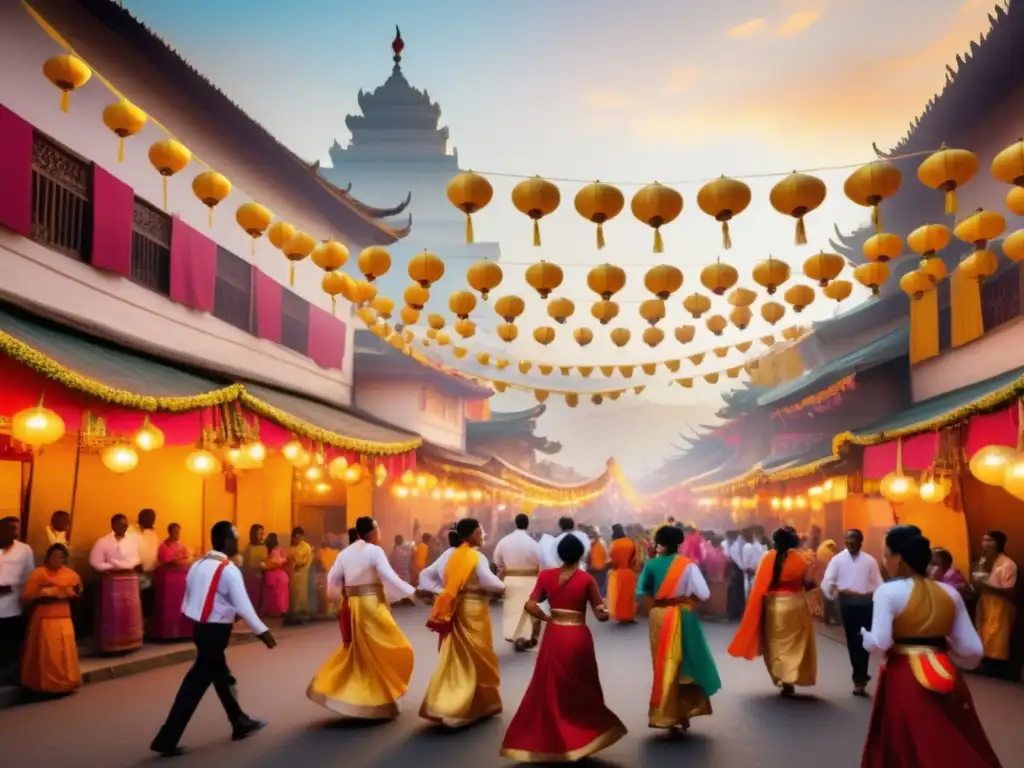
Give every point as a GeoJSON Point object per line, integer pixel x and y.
{"type": "Point", "coordinates": [624, 557]}
{"type": "Point", "coordinates": [685, 675]}
{"type": "Point", "coordinates": [563, 718]}
{"type": "Point", "coordinates": [365, 677]}
{"type": "Point", "coordinates": [465, 685]}
{"type": "Point", "coordinates": [923, 713]}
{"type": "Point", "coordinates": [777, 622]}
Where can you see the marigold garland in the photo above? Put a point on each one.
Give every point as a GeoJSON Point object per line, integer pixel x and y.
{"type": "Point", "coordinates": [845, 384]}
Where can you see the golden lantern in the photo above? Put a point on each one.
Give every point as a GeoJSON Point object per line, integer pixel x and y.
{"type": "Point", "coordinates": [459, 352]}
{"type": "Point", "coordinates": [799, 296]}
{"type": "Point", "coordinates": [483, 277]}
{"type": "Point", "coordinates": [212, 189]}
{"type": "Point", "coordinates": [723, 199]}
{"type": "Point", "coordinates": [1013, 246]}
{"type": "Point", "coordinates": [797, 195]}
{"type": "Point", "coordinates": [544, 277]}
{"type": "Point", "coordinates": [436, 322]}
{"type": "Point", "coordinates": [280, 232]}
{"type": "Point", "coordinates": [364, 292]}
{"type": "Point", "coordinates": [741, 317]}
{"type": "Point", "coordinates": [721, 351]}
{"type": "Point", "coordinates": [606, 280]}
{"type": "Point", "coordinates": [443, 339]}
{"type": "Point", "coordinates": [772, 312]}
{"type": "Point", "coordinates": [620, 337]}
{"type": "Point", "coordinates": [872, 275]}
{"type": "Point", "coordinates": [934, 488]}
{"type": "Point", "coordinates": [583, 336]}
{"type": "Point", "coordinates": [37, 427]}
{"type": "Point", "coordinates": [297, 248]}
{"type": "Point", "coordinates": [507, 332]}
{"type": "Point", "coordinates": [838, 290]}
{"type": "Point", "coordinates": [353, 474]}
{"type": "Point", "coordinates": [462, 304]}
{"type": "Point", "coordinates": [897, 487]}
{"type": "Point", "coordinates": [148, 438]}
{"type": "Point", "coordinates": [383, 306]}
{"type": "Point", "coordinates": [426, 269]}
{"type": "Point", "coordinates": [742, 297]}
{"type": "Point", "coordinates": [916, 284]}
{"type": "Point", "coordinates": [544, 335]}
{"type": "Point", "coordinates": [382, 330]}
{"type": "Point", "coordinates": [572, 399]}
{"type": "Point", "coordinates": [653, 311]}
{"type": "Point", "coordinates": [770, 274]}
{"type": "Point", "coordinates": [202, 462]}
{"type": "Point", "coordinates": [525, 366]}
{"type": "Point", "coordinates": [374, 262]}
{"type": "Point", "coordinates": [560, 310]}
{"type": "Point", "coordinates": [657, 205]}
{"type": "Point", "coordinates": [935, 269]}
{"type": "Point", "coordinates": [883, 247]}
{"type": "Point", "coordinates": [67, 72]}
{"type": "Point", "coordinates": [508, 308]}
{"type": "Point", "coordinates": [365, 314]}
{"type": "Point", "coordinates": [712, 378]}
{"type": "Point", "coordinates": [597, 399]}
{"type": "Point", "coordinates": [653, 336]}
{"type": "Point", "coordinates": [255, 219]}
{"type": "Point", "coordinates": [335, 284]}
{"type": "Point", "coordinates": [1015, 201]}
{"type": "Point", "coordinates": [663, 280]}
{"type": "Point", "coordinates": [696, 304]}
{"type": "Point", "coordinates": [718, 277]}
{"type": "Point", "coordinates": [824, 267]}
{"type": "Point", "coordinates": [536, 198]}
{"type": "Point", "coordinates": [416, 296]}
{"type": "Point", "coordinates": [470, 193]}
{"type": "Point", "coordinates": [604, 311]}
{"type": "Point", "coordinates": [947, 170]}
{"type": "Point", "coordinates": [124, 119]}
{"type": "Point", "coordinates": [989, 464]}
{"type": "Point", "coordinates": [483, 358]}
{"type": "Point", "coordinates": [409, 316]}
{"type": "Point", "coordinates": [980, 265]}
{"type": "Point", "coordinates": [1013, 479]}
{"type": "Point", "coordinates": [980, 227]}
{"type": "Point", "coordinates": [870, 184]}
{"type": "Point", "coordinates": [329, 256]}
{"type": "Point", "coordinates": [119, 458]}
{"type": "Point", "coordinates": [926, 241]}
{"type": "Point", "coordinates": [716, 324]}
{"type": "Point", "coordinates": [599, 203]}
{"type": "Point", "coordinates": [685, 333]}
{"type": "Point", "coordinates": [1008, 165]}
{"type": "Point", "coordinates": [168, 157]}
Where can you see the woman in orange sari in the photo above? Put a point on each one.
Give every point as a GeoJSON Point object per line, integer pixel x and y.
{"type": "Point", "coordinates": [49, 663]}
{"type": "Point", "coordinates": [420, 554]}
{"type": "Point", "coordinates": [777, 623]}
{"type": "Point", "coordinates": [622, 554]}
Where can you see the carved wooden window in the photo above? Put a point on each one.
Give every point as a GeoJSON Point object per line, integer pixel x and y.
{"type": "Point", "coordinates": [61, 199]}
{"type": "Point", "coordinates": [294, 322]}
{"type": "Point", "coordinates": [232, 293]}
{"type": "Point", "coordinates": [151, 248]}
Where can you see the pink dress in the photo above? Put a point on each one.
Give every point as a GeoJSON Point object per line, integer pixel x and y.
{"type": "Point", "coordinates": [168, 622]}
{"type": "Point", "coordinates": [275, 587]}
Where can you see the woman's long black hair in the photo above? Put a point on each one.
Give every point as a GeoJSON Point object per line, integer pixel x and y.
{"type": "Point", "coordinates": [465, 528]}
{"type": "Point", "coordinates": [784, 540]}
{"type": "Point", "coordinates": [914, 549]}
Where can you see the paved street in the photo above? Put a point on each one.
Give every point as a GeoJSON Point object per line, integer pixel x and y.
{"type": "Point", "coordinates": [109, 725]}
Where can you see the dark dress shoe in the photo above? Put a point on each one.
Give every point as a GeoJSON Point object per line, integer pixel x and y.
{"type": "Point", "coordinates": [246, 728]}
{"type": "Point", "coordinates": [165, 751]}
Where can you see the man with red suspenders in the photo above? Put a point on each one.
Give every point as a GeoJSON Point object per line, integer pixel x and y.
{"type": "Point", "coordinates": [214, 595]}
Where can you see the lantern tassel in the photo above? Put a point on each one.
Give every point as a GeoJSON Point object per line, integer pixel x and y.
{"type": "Point", "coordinates": [659, 244]}
{"type": "Point", "coordinates": [726, 239]}
{"type": "Point", "coordinates": [600, 236]}
{"type": "Point", "coordinates": [876, 217]}
{"type": "Point", "coordinates": [924, 327]}
{"type": "Point", "coordinates": [536, 233]}
{"type": "Point", "coordinates": [950, 201]}
{"type": "Point", "coordinates": [334, 304]}
{"type": "Point", "coordinates": [164, 181]}
{"type": "Point", "coordinates": [801, 231]}
{"type": "Point", "coordinates": [469, 229]}
{"type": "Point", "coordinates": [211, 217]}
{"type": "Point", "coordinates": [65, 100]}
{"type": "Point", "coordinates": [291, 274]}
{"type": "Point", "coordinates": [252, 247]}
{"type": "Point", "coordinates": [120, 149]}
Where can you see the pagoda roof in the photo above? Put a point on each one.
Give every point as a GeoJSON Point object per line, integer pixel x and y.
{"type": "Point", "coordinates": [377, 360]}
{"type": "Point", "coordinates": [366, 209]}
{"type": "Point", "coordinates": [350, 216]}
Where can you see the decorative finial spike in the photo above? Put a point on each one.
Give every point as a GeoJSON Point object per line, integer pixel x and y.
{"type": "Point", "coordinates": [397, 46]}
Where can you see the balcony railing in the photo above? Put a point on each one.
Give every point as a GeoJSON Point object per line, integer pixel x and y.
{"type": "Point", "coordinates": [294, 323]}
{"type": "Point", "coordinates": [151, 248]}
{"type": "Point", "coordinates": [232, 295]}
{"type": "Point", "coordinates": [61, 199]}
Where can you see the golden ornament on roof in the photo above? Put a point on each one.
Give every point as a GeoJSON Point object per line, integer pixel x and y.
{"type": "Point", "coordinates": [696, 304]}
{"type": "Point", "coordinates": [599, 203]}
{"type": "Point", "coordinates": [824, 267]}
{"type": "Point", "coordinates": [507, 332]}
{"type": "Point", "coordinates": [653, 311]}
{"type": "Point", "coordinates": [663, 280]}
{"type": "Point", "coordinates": [168, 157]}
{"type": "Point", "coordinates": [980, 227]}
{"type": "Point", "coordinates": [947, 170]}
{"type": "Point", "coordinates": [916, 284]}
{"type": "Point", "coordinates": [508, 308]}
{"type": "Point", "coordinates": [560, 310]}
{"type": "Point", "coordinates": [483, 277]}
{"type": "Point", "coordinates": [255, 219]}
{"type": "Point", "coordinates": [124, 119]}
{"type": "Point", "coordinates": [838, 290]}
{"type": "Point", "coordinates": [470, 193]}
{"type": "Point", "coordinates": [68, 73]}
{"type": "Point", "coordinates": [544, 277]}
{"type": "Point", "coordinates": [872, 275]}
{"type": "Point", "coordinates": [772, 312]}
{"type": "Point", "coordinates": [797, 195]}
{"type": "Point", "coordinates": [719, 278]}
{"type": "Point", "coordinates": [716, 324]}
{"type": "Point", "coordinates": [657, 205]}
{"type": "Point", "coordinates": [604, 311]}
{"type": "Point", "coordinates": [544, 335]}
{"type": "Point", "coordinates": [723, 199]}
{"type": "Point", "coordinates": [583, 336]}
{"type": "Point", "coordinates": [606, 280]}
{"type": "Point", "coordinates": [426, 268]}
{"type": "Point", "coordinates": [770, 274]}
{"type": "Point", "coordinates": [653, 336]}
{"type": "Point", "coordinates": [685, 333]}
{"type": "Point", "coordinates": [741, 317]}
{"type": "Point", "coordinates": [212, 189]}
{"type": "Point", "coordinates": [462, 304]}
{"type": "Point", "coordinates": [536, 198]}
{"type": "Point", "coordinates": [416, 296]}
{"type": "Point", "coordinates": [299, 247]}
{"type": "Point", "coordinates": [620, 337]}
{"type": "Point", "coordinates": [870, 184]}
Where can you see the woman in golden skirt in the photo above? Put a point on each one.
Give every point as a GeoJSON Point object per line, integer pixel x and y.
{"type": "Point", "coordinates": [777, 623]}
{"type": "Point", "coordinates": [370, 672]}
{"type": "Point", "coordinates": [465, 685]}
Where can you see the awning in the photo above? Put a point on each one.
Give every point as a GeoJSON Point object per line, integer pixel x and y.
{"type": "Point", "coordinates": [461, 464]}
{"type": "Point", "coordinates": [939, 412]}
{"type": "Point", "coordinates": [728, 475]}
{"type": "Point", "coordinates": [881, 350]}
{"type": "Point", "coordinates": [796, 464]}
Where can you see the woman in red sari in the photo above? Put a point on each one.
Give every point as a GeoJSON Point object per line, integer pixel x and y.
{"type": "Point", "coordinates": [923, 713]}
{"type": "Point", "coordinates": [168, 622]}
{"type": "Point", "coordinates": [562, 717]}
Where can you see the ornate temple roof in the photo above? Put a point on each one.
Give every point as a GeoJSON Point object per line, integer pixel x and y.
{"type": "Point", "coordinates": [371, 211]}
{"type": "Point", "coordinates": [351, 216]}
{"type": "Point", "coordinates": [520, 425]}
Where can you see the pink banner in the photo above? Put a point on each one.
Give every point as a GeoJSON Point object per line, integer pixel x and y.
{"type": "Point", "coordinates": [113, 210]}
{"type": "Point", "coordinates": [193, 267]}
{"type": "Point", "coordinates": [16, 138]}
{"type": "Point", "coordinates": [918, 455]}
{"type": "Point", "coordinates": [326, 338]}
{"type": "Point", "coordinates": [268, 307]}
{"type": "Point", "coordinates": [999, 428]}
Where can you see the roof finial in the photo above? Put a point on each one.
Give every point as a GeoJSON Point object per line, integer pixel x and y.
{"type": "Point", "coordinates": [397, 46]}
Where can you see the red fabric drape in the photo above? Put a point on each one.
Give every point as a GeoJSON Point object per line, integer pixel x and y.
{"type": "Point", "coordinates": [326, 338]}
{"type": "Point", "coordinates": [113, 209]}
{"type": "Point", "coordinates": [999, 428]}
{"type": "Point", "coordinates": [918, 454]}
{"type": "Point", "coordinates": [193, 267]}
{"type": "Point", "coordinates": [16, 137]}
{"type": "Point", "coordinates": [268, 307]}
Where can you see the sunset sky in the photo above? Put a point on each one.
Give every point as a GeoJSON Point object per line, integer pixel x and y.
{"type": "Point", "coordinates": [679, 91]}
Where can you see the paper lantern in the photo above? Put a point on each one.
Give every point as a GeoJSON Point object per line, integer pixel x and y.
{"type": "Point", "coordinates": [374, 262]}
{"type": "Point", "coordinates": [462, 304]}
{"type": "Point", "coordinates": [770, 274]}
{"type": "Point", "coordinates": [653, 311]}
{"type": "Point", "coordinates": [947, 170]}
{"type": "Point", "coordinates": [280, 232]}
{"type": "Point", "coordinates": [916, 284]}
{"type": "Point", "coordinates": [560, 310]}
{"type": "Point", "coordinates": [741, 317]}
{"type": "Point", "coordinates": [604, 311]}
{"type": "Point", "coordinates": [656, 205]}
{"type": "Point", "coordinates": [148, 438]}
{"type": "Point", "coordinates": [508, 308]}
{"type": "Point", "coordinates": [409, 316]}
{"type": "Point", "coordinates": [544, 335]}
{"type": "Point", "coordinates": [772, 312]}
{"type": "Point", "coordinates": [723, 199]}
{"type": "Point", "coordinates": [460, 352]}
{"type": "Point", "coordinates": [299, 247]}
{"type": "Point", "coordinates": [685, 334]}
{"type": "Point", "coordinates": [719, 278]}
{"type": "Point", "coordinates": [544, 277]}
{"type": "Point", "coordinates": [330, 256]}
{"type": "Point", "coordinates": [980, 227]}
{"type": "Point", "coordinates": [1013, 246]}
{"type": "Point", "coordinates": [799, 296]}
{"type": "Point", "coordinates": [928, 240]}
{"type": "Point", "coordinates": [653, 336]}
{"type": "Point", "coordinates": [742, 297]}
{"type": "Point", "coordinates": [606, 280]}
{"type": "Point", "coordinates": [483, 277]}
{"type": "Point", "coordinates": [870, 184]}
{"type": "Point", "coordinates": [934, 489]}
{"type": "Point", "coordinates": [212, 189]}
{"type": "Point", "coordinates": [897, 487]}
{"type": "Point", "coordinates": [37, 427]}
{"type": "Point", "coordinates": [696, 304]}
{"type": "Point", "coordinates": [353, 474]}
{"type": "Point", "coordinates": [883, 247]}
{"type": "Point", "coordinates": [620, 337]}
{"type": "Point", "coordinates": [507, 332]}
{"type": "Point", "coordinates": [838, 290]}
{"type": "Point", "coordinates": [824, 267]}
{"type": "Point", "coordinates": [470, 193]}
{"type": "Point", "coordinates": [1013, 479]}
{"type": "Point", "coordinates": [599, 203]}
{"type": "Point", "coordinates": [119, 458]}
{"type": "Point", "coordinates": [168, 157]}
{"type": "Point", "coordinates": [872, 275]}
{"type": "Point", "coordinates": [68, 73]}
{"type": "Point", "coordinates": [416, 296]}
{"type": "Point", "coordinates": [716, 324]}
{"type": "Point", "coordinates": [1008, 165]}
{"type": "Point", "coordinates": [980, 265]}
{"type": "Point", "coordinates": [797, 195]}
{"type": "Point", "coordinates": [425, 268]}
{"type": "Point", "coordinates": [989, 464]}
{"type": "Point", "coordinates": [935, 269]}
{"type": "Point", "coordinates": [124, 119]}
{"type": "Point", "coordinates": [436, 322]}
{"type": "Point", "coordinates": [536, 198]}
{"type": "Point", "coordinates": [583, 336]}
{"type": "Point", "coordinates": [383, 306]}
{"type": "Point", "coordinates": [364, 292]}
{"type": "Point", "coordinates": [255, 219]}
{"type": "Point", "coordinates": [1015, 201]}
{"type": "Point", "coordinates": [663, 280]}
{"type": "Point", "coordinates": [202, 462]}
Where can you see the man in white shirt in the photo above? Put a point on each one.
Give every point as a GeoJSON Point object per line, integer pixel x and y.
{"type": "Point", "coordinates": [215, 596]}
{"type": "Point", "coordinates": [855, 576]}
{"type": "Point", "coordinates": [149, 547]}
{"type": "Point", "coordinates": [736, 596]}
{"type": "Point", "coordinates": [751, 552]}
{"type": "Point", "coordinates": [519, 559]}
{"type": "Point", "coordinates": [119, 614]}
{"type": "Point", "coordinates": [567, 527]}
{"type": "Point", "coordinates": [16, 563]}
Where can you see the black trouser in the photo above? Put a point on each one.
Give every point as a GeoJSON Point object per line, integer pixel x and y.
{"type": "Point", "coordinates": [12, 635]}
{"type": "Point", "coordinates": [856, 614]}
{"type": "Point", "coordinates": [736, 596]}
{"type": "Point", "coordinates": [210, 666]}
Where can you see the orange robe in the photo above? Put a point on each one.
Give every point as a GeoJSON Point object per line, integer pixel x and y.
{"type": "Point", "coordinates": [418, 562]}
{"type": "Point", "coordinates": [49, 662]}
{"type": "Point", "coordinates": [622, 580]}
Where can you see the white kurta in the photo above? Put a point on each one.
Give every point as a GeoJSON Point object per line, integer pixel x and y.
{"type": "Point", "coordinates": [521, 557]}
{"type": "Point", "coordinates": [363, 563]}
{"type": "Point", "coordinates": [554, 561]}
{"type": "Point", "coordinates": [750, 558]}
{"type": "Point", "coordinates": [432, 577]}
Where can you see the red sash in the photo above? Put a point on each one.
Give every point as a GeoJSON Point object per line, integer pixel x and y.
{"type": "Point", "coordinates": [212, 593]}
